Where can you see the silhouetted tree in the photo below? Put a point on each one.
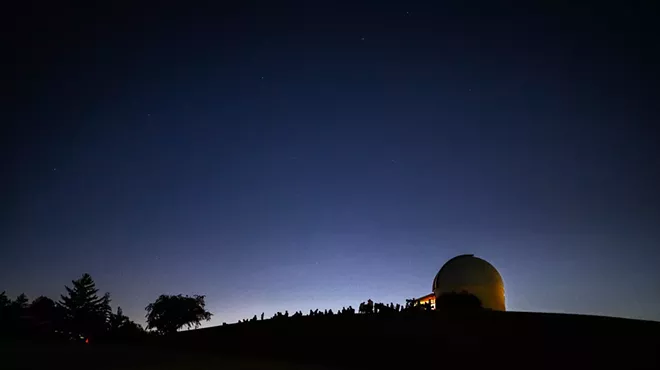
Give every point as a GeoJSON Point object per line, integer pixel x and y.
{"type": "Point", "coordinates": [122, 327]}
{"type": "Point", "coordinates": [20, 304]}
{"type": "Point", "coordinates": [121, 322]}
{"type": "Point", "coordinates": [262, 315]}
{"type": "Point", "coordinates": [85, 312]}
{"type": "Point", "coordinates": [14, 318]}
{"type": "Point", "coordinates": [4, 300]}
{"type": "Point", "coordinates": [6, 322]}
{"type": "Point", "coordinates": [45, 314]}
{"type": "Point", "coordinates": [17, 312]}
{"type": "Point", "coordinates": [42, 308]}
{"type": "Point", "coordinates": [5, 304]}
{"type": "Point", "coordinates": [117, 320]}
{"type": "Point", "coordinates": [170, 313]}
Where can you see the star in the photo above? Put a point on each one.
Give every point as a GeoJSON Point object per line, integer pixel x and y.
{"type": "Point", "coordinates": [362, 39]}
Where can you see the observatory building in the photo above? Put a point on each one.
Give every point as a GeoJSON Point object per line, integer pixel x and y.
{"type": "Point", "coordinates": [468, 274]}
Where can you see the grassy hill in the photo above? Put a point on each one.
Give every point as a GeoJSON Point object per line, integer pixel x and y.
{"type": "Point", "coordinates": [482, 339]}
{"type": "Point", "coordinates": [433, 338]}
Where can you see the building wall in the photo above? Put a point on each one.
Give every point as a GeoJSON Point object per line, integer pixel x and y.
{"type": "Point", "coordinates": [491, 296]}
{"type": "Point", "coordinates": [430, 299]}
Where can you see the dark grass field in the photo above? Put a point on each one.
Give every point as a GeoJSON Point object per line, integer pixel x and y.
{"type": "Point", "coordinates": [426, 339]}
{"type": "Point", "coordinates": [26, 355]}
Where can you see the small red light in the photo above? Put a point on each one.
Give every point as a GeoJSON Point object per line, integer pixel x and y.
{"type": "Point", "coordinates": [87, 340]}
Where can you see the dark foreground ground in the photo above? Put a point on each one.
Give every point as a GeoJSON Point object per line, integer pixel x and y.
{"type": "Point", "coordinates": [131, 358]}
{"type": "Point", "coordinates": [422, 340]}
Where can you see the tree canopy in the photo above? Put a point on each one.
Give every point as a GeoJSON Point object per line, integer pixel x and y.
{"type": "Point", "coordinates": [170, 313]}
{"type": "Point", "coordinates": [44, 310]}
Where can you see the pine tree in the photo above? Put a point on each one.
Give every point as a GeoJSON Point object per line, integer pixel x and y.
{"type": "Point", "coordinates": [4, 300]}
{"type": "Point", "coordinates": [86, 313]}
{"type": "Point", "coordinates": [21, 302]}
{"type": "Point", "coordinates": [5, 309]}
{"type": "Point", "coordinates": [118, 320]}
{"type": "Point", "coordinates": [19, 306]}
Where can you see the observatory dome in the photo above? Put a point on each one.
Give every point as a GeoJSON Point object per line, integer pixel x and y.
{"type": "Point", "coordinates": [467, 273]}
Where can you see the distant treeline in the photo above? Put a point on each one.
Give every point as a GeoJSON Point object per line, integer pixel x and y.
{"type": "Point", "coordinates": [85, 315]}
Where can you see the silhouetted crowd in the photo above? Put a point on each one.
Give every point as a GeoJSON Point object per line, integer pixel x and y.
{"type": "Point", "coordinates": [368, 307]}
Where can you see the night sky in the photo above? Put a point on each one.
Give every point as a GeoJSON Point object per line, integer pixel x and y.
{"type": "Point", "coordinates": [314, 156]}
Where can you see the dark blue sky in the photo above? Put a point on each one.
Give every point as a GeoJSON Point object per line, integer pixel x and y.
{"type": "Point", "coordinates": [297, 157]}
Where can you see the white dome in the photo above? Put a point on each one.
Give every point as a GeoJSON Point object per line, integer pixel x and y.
{"type": "Point", "coordinates": [467, 273]}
